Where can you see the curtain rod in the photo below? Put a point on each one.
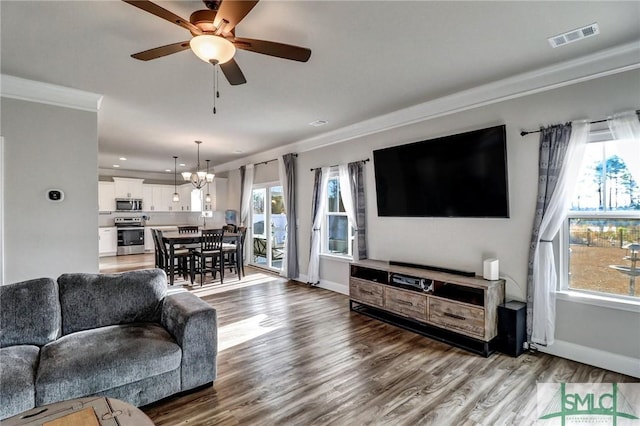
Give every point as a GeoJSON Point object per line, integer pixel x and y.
{"type": "Point", "coordinates": [526, 132]}
{"type": "Point", "coordinates": [336, 165]}
{"type": "Point", "coordinates": [268, 161]}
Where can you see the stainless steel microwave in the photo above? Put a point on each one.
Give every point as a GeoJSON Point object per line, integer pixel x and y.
{"type": "Point", "coordinates": [128, 204]}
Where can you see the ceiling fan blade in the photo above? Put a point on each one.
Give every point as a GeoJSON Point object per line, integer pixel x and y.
{"type": "Point", "coordinates": [163, 13]}
{"type": "Point", "coordinates": [233, 72]}
{"type": "Point", "coordinates": [232, 12]}
{"type": "Point", "coordinates": [159, 52]}
{"type": "Point", "coordinates": [271, 48]}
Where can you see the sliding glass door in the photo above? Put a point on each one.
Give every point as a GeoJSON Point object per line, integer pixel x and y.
{"type": "Point", "coordinates": [268, 227]}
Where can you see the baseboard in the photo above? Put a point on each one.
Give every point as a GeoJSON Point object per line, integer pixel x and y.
{"type": "Point", "coordinates": [328, 285]}
{"type": "Point", "coordinates": [596, 357]}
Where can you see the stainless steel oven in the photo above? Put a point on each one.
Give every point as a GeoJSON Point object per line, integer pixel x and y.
{"type": "Point", "coordinates": [130, 235]}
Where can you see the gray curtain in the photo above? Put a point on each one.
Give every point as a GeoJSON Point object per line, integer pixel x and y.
{"type": "Point", "coordinates": [356, 175]}
{"type": "Point", "coordinates": [315, 198]}
{"type": "Point", "coordinates": [242, 172]}
{"type": "Point", "coordinates": [554, 141]}
{"type": "Point", "coordinates": [292, 227]}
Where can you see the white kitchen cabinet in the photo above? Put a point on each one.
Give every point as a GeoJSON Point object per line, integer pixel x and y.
{"type": "Point", "coordinates": [167, 192]}
{"type": "Point", "coordinates": [106, 196]}
{"type": "Point", "coordinates": [147, 198]}
{"type": "Point", "coordinates": [148, 239]}
{"type": "Point", "coordinates": [185, 197]}
{"type": "Point", "coordinates": [158, 198]}
{"type": "Point", "coordinates": [128, 187]}
{"type": "Point", "coordinates": [107, 241]}
{"type": "Point", "coordinates": [196, 198]}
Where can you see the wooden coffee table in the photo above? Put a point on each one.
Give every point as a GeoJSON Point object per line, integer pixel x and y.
{"type": "Point", "coordinates": [92, 411]}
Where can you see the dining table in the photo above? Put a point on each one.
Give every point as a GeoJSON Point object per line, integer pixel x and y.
{"type": "Point", "coordinates": [173, 239]}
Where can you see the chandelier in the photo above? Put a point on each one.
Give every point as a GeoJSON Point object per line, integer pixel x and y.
{"type": "Point", "coordinates": [198, 178]}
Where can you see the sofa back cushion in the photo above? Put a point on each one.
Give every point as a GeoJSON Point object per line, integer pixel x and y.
{"type": "Point", "coordinates": [98, 300]}
{"type": "Point", "coordinates": [29, 313]}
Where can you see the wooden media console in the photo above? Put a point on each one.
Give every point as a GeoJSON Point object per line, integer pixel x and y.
{"type": "Point", "coordinates": [452, 308]}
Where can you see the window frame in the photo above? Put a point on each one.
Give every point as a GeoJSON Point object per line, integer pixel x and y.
{"type": "Point", "coordinates": [562, 247]}
{"type": "Point", "coordinates": [324, 246]}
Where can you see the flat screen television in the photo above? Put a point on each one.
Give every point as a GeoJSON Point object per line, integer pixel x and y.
{"type": "Point", "coordinates": [463, 175]}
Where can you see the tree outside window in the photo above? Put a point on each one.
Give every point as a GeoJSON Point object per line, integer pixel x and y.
{"type": "Point", "coordinates": [604, 225]}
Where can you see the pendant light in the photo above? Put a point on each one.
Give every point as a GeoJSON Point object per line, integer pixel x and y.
{"type": "Point", "coordinates": [176, 196]}
{"type": "Point", "coordinates": [207, 198]}
{"type": "Point", "coordinates": [198, 178]}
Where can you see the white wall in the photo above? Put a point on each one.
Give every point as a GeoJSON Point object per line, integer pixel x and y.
{"type": "Point", "coordinates": [49, 147]}
{"type": "Point", "coordinates": [463, 243]}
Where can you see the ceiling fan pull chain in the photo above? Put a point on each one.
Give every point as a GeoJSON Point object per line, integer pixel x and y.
{"type": "Point", "coordinates": [214, 87]}
{"type": "Point", "coordinates": [217, 83]}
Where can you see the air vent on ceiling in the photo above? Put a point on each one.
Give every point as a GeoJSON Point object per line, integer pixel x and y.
{"type": "Point", "coordinates": [318, 123]}
{"type": "Point", "coordinates": [574, 35]}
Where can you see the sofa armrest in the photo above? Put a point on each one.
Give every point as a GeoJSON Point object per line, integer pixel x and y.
{"type": "Point", "coordinates": [193, 324]}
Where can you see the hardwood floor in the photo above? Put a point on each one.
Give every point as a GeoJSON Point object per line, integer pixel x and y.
{"type": "Point", "coordinates": [294, 355]}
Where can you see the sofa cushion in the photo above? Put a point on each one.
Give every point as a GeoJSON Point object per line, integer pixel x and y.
{"type": "Point", "coordinates": [29, 313]}
{"type": "Point", "coordinates": [98, 300]}
{"type": "Point", "coordinates": [17, 379]}
{"type": "Point", "coordinates": [92, 361]}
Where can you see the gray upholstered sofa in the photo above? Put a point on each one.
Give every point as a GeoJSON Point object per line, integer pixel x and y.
{"type": "Point", "coordinates": [116, 335]}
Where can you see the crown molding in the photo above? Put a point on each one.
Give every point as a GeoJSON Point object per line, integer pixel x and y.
{"type": "Point", "coordinates": [600, 64]}
{"type": "Point", "coordinates": [50, 94]}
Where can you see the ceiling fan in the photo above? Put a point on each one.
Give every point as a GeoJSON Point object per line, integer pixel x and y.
{"type": "Point", "coordinates": [214, 40]}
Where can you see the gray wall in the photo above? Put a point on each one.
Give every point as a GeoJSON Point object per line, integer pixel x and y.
{"type": "Point", "coordinates": [49, 147]}
{"type": "Point", "coordinates": [463, 243]}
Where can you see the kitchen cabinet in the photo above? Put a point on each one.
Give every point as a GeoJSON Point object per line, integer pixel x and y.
{"type": "Point", "coordinates": [106, 196]}
{"type": "Point", "coordinates": [149, 246]}
{"type": "Point", "coordinates": [147, 198]}
{"type": "Point", "coordinates": [185, 197]}
{"type": "Point", "coordinates": [107, 241]}
{"type": "Point", "coordinates": [158, 198]}
{"type": "Point", "coordinates": [148, 239]}
{"type": "Point", "coordinates": [128, 187]}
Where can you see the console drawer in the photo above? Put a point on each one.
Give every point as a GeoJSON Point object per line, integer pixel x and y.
{"type": "Point", "coordinates": [412, 305]}
{"type": "Point", "coordinates": [366, 292]}
{"type": "Point", "coordinates": [462, 318]}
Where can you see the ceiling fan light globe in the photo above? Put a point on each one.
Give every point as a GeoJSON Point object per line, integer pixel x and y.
{"type": "Point", "coordinates": [212, 48]}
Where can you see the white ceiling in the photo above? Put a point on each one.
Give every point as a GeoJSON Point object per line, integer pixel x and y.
{"type": "Point", "coordinates": [368, 58]}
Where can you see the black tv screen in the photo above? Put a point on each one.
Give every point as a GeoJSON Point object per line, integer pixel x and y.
{"type": "Point", "coordinates": [463, 175]}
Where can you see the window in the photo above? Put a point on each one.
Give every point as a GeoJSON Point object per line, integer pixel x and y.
{"type": "Point", "coordinates": [602, 231]}
{"type": "Point", "coordinates": [337, 238]}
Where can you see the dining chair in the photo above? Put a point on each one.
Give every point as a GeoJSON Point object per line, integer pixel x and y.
{"type": "Point", "coordinates": [179, 263]}
{"type": "Point", "coordinates": [233, 257]}
{"type": "Point", "coordinates": [188, 229]}
{"type": "Point", "coordinates": [210, 248]}
{"type": "Point", "coordinates": [159, 257]}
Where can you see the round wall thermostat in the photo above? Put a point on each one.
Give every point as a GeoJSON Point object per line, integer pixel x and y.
{"type": "Point", "coordinates": [55, 195]}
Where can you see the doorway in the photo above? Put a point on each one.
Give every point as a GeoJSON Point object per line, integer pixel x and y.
{"type": "Point", "coordinates": [268, 227]}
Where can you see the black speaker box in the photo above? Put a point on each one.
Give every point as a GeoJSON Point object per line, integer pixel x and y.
{"type": "Point", "coordinates": [512, 327]}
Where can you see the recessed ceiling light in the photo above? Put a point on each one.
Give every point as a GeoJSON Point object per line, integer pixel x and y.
{"type": "Point", "coordinates": [123, 159]}
{"type": "Point", "coordinates": [318, 123]}
{"type": "Point", "coordinates": [116, 165]}
{"type": "Point", "coordinates": [167, 170]}
{"type": "Point", "coordinates": [238, 151]}
{"type": "Point", "coordinates": [182, 165]}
